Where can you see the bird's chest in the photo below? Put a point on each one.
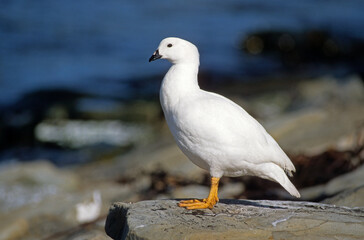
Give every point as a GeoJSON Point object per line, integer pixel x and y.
{"type": "Point", "coordinates": [186, 138]}
{"type": "Point", "coordinates": [178, 117]}
{"type": "Point", "coordinates": [175, 108]}
{"type": "Point", "coordinates": [178, 124]}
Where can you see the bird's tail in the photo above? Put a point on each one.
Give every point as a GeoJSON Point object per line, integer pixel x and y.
{"type": "Point", "coordinates": [277, 174]}
{"type": "Point", "coordinates": [290, 188]}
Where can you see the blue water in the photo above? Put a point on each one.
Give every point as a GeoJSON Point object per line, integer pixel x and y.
{"type": "Point", "coordinates": [94, 46]}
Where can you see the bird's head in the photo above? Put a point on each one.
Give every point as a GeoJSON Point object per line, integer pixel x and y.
{"type": "Point", "coordinates": [176, 50]}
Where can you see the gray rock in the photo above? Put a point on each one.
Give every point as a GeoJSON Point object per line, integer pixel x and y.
{"type": "Point", "coordinates": [29, 183]}
{"type": "Point", "coordinates": [346, 181]}
{"type": "Point", "coordinates": [326, 91]}
{"type": "Point", "coordinates": [312, 130]}
{"type": "Point", "coordinates": [339, 184]}
{"type": "Point", "coordinates": [191, 191]}
{"type": "Point", "coordinates": [163, 154]}
{"type": "Point", "coordinates": [38, 200]}
{"type": "Point", "coordinates": [230, 190]}
{"type": "Point", "coordinates": [14, 229]}
{"type": "Point", "coordinates": [332, 110]}
{"type": "Point", "coordinates": [349, 198]}
{"type": "Point", "coordinates": [234, 219]}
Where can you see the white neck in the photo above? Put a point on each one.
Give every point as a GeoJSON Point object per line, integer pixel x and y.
{"type": "Point", "coordinates": [180, 80]}
{"type": "Point", "coordinates": [182, 76]}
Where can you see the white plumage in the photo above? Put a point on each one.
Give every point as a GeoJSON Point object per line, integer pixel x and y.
{"type": "Point", "coordinates": [212, 131]}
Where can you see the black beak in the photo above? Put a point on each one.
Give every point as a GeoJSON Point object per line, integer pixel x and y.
{"type": "Point", "coordinates": [155, 56]}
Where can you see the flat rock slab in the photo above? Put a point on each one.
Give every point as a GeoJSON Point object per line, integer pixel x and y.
{"type": "Point", "coordinates": [234, 219]}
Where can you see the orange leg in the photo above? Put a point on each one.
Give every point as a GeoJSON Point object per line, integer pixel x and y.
{"type": "Point", "coordinates": [208, 202]}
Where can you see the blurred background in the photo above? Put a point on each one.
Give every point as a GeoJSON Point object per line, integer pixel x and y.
{"type": "Point", "coordinates": [81, 125]}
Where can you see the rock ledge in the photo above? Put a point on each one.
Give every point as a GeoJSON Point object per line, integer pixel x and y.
{"type": "Point", "coordinates": [234, 219]}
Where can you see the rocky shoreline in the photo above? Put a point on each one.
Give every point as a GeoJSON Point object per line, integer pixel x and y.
{"type": "Point", "coordinates": [319, 123]}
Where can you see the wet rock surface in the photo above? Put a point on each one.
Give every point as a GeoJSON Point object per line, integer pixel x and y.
{"type": "Point", "coordinates": [234, 219]}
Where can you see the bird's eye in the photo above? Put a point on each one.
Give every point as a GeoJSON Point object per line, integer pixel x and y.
{"type": "Point", "coordinates": [169, 45]}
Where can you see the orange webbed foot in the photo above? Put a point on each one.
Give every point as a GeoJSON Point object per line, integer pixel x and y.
{"type": "Point", "coordinates": [191, 201]}
{"type": "Point", "coordinates": [198, 204]}
{"type": "Point", "coordinates": [206, 202]}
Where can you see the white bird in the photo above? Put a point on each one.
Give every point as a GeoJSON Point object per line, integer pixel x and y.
{"type": "Point", "coordinates": [215, 133]}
